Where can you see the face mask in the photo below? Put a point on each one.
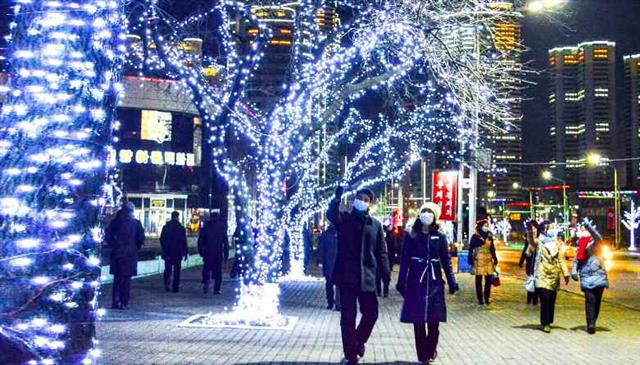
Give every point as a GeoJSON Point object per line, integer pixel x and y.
{"type": "Point", "coordinates": [360, 206]}
{"type": "Point", "coordinates": [484, 229]}
{"type": "Point", "coordinates": [426, 218]}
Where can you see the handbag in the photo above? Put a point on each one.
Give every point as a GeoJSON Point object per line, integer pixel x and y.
{"type": "Point", "coordinates": [496, 278]}
{"type": "Point", "coordinates": [530, 283]}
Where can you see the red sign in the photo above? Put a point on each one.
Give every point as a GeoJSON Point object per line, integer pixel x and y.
{"type": "Point", "coordinates": [611, 219]}
{"type": "Point", "coordinates": [445, 193]}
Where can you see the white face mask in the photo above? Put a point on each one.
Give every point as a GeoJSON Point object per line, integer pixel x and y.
{"type": "Point", "coordinates": [426, 218]}
{"type": "Point", "coordinates": [360, 205]}
{"type": "Point", "coordinates": [484, 229]}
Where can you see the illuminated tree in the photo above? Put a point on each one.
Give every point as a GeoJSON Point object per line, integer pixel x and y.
{"type": "Point", "coordinates": [54, 142]}
{"type": "Point", "coordinates": [632, 222]}
{"type": "Point", "coordinates": [389, 48]}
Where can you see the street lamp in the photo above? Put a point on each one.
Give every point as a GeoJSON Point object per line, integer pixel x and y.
{"type": "Point", "coordinates": [594, 159]}
{"type": "Point", "coordinates": [547, 175]}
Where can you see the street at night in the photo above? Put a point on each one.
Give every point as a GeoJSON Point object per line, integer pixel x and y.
{"type": "Point", "coordinates": [198, 182]}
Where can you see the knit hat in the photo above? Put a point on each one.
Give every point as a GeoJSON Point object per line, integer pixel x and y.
{"type": "Point", "coordinates": [434, 208]}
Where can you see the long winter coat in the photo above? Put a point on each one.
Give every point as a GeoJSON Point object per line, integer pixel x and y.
{"type": "Point", "coordinates": [125, 236]}
{"type": "Point", "coordinates": [213, 242]}
{"type": "Point", "coordinates": [483, 254]}
{"type": "Point", "coordinates": [361, 249]}
{"type": "Point", "coordinates": [424, 257]}
{"type": "Point", "coordinates": [328, 251]}
{"type": "Point", "coordinates": [173, 241]}
{"type": "Point", "coordinates": [549, 268]}
{"type": "Point", "coordinates": [527, 260]}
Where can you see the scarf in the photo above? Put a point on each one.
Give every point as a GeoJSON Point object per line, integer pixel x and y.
{"type": "Point", "coordinates": [583, 243]}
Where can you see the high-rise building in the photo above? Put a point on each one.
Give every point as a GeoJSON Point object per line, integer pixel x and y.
{"type": "Point", "coordinates": [266, 86]}
{"type": "Point", "coordinates": [631, 122]}
{"type": "Point", "coordinates": [506, 146]}
{"type": "Point", "coordinates": [583, 110]}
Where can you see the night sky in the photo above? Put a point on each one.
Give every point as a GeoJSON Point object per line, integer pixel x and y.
{"type": "Point", "coordinates": [583, 20]}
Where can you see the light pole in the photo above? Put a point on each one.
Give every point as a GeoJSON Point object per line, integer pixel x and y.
{"type": "Point", "coordinates": [547, 175]}
{"type": "Point", "coordinates": [595, 159]}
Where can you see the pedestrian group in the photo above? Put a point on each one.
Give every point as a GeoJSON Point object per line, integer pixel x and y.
{"type": "Point", "coordinates": [357, 253]}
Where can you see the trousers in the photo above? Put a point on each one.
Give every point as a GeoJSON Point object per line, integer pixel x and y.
{"type": "Point", "coordinates": [333, 296]}
{"type": "Point", "coordinates": [426, 343]}
{"type": "Point", "coordinates": [121, 290]}
{"type": "Point", "coordinates": [212, 270]}
{"type": "Point", "coordinates": [486, 295]}
{"type": "Point", "coordinates": [172, 267]}
{"type": "Point", "coordinates": [593, 299]}
{"type": "Point", "coordinates": [547, 305]}
{"type": "Point", "coordinates": [353, 337]}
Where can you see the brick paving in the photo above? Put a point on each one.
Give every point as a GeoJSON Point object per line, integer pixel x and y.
{"type": "Point", "coordinates": [503, 333]}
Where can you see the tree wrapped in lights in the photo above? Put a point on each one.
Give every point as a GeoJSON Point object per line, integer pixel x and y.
{"type": "Point", "coordinates": [54, 137]}
{"type": "Point", "coordinates": [632, 222]}
{"type": "Point", "coordinates": [379, 48]}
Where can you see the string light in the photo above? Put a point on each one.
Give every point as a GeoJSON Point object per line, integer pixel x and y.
{"type": "Point", "coordinates": [387, 48]}
{"type": "Point", "coordinates": [55, 130]}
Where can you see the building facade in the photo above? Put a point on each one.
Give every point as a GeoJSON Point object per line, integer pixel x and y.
{"type": "Point", "coordinates": [582, 100]}
{"type": "Point", "coordinates": [630, 134]}
{"type": "Point", "coordinates": [506, 146]}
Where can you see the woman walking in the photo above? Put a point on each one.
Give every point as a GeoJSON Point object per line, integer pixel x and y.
{"type": "Point", "coordinates": [588, 264]}
{"type": "Point", "coordinates": [483, 260]}
{"type": "Point", "coordinates": [528, 261]}
{"type": "Point", "coordinates": [425, 255]}
{"type": "Point", "coordinates": [550, 267]}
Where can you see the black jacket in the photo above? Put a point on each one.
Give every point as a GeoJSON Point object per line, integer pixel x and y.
{"type": "Point", "coordinates": [361, 249]}
{"type": "Point", "coordinates": [213, 243]}
{"type": "Point", "coordinates": [125, 236]}
{"type": "Point", "coordinates": [530, 260]}
{"type": "Point", "coordinates": [328, 251]}
{"type": "Point", "coordinates": [173, 241]}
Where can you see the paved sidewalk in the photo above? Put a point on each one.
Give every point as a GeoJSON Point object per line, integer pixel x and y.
{"type": "Point", "coordinates": [503, 333]}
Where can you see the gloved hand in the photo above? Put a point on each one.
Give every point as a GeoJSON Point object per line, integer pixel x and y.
{"type": "Point", "coordinates": [574, 277]}
{"type": "Point", "coordinates": [566, 280]}
{"type": "Point", "coordinates": [453, 289]}
{"type": "Point", "coordinates": [495, 262]}
{"type": "Point", "coordinates": [520, 266]}
{"type": "Point", "coordinates": [339, 192]}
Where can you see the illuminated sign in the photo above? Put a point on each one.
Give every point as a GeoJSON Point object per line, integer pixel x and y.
{"type": "Point", "coordinates": [159, 158]}
{"type": "Point", "coordinates": [158, 203]}
{"type": "Point", "coordinates": [156, 126]}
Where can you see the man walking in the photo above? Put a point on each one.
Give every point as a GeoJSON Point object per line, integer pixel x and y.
{"type": "Point", "coordinates": [328, 251]}
{"type": "Point", "coordinates": [173, 241]}
{"type": "Point", "coordinates": [213, 246]}
{"type": "Point", "coordinates": [125, 236]}
{"type": "Point", "coordinates": [361, 253]}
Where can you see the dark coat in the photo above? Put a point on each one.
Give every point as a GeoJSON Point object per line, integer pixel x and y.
{"type": "Point", "coordinates": [361, 249]}
{"type": "Point", "coordinates": [173, 241]}
{"type": "Point", "coordinates": [424, 257]}
{"type": "Point", "coordinates": [528, 260]}
{"type": "Point", "coordinates": [213, 243]}
{"type": "Point", "coordinates": [328, 251]}
{"type": "Point", "coordinates": [125, 236]}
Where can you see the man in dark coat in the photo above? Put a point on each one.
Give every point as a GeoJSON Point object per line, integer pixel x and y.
{"type": "Point", "coordinates": [125, 236]}
{"type": "Point", "coordinates": [361, 253]}
{"type": "Point", "coordinates": [213, 246]}
{"type": "Point", "coordinates": [328, 252]}
{"type": "Point", "coordinates": [173, 241]}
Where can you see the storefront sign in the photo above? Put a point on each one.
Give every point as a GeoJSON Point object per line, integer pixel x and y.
{"type": "Point", "coordinates": [158, 203]}
{"type": "Point", "coordinates": [144, 157]}
{"type": "Point", "coordinates": [445, 193]}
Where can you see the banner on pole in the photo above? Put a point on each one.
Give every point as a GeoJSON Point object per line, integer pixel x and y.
{"type": "Point", "coordinates": [445, 193]}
